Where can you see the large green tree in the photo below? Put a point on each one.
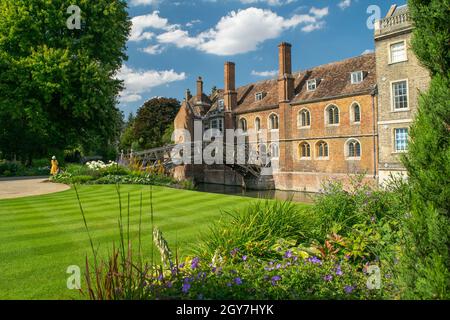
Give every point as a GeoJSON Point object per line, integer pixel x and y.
{"type": "Point", "coordinates": [57, 85]}
{"type": "Point", "coordinates": [425, 272]}
{"type": "Point", "coordinates": [153, 122]}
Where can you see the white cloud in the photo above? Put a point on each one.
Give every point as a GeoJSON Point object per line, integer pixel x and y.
{"type": "Point", "coordinates": [367, 51]}
{"type": "Point", "coordinates": [192, 22]}
{"type": "Point", "coordinates": [135, 3]}
{"type": "Point", "coordinates": [264, 74]}
{"type": "Point", "coordinates": [243, 31]}
{"type": "Point", "coordinates": [319, 13]}
{"type": "Point", "coordinates": [137, 82]}
{"type": "Point", "coordinates": [153, 49]}
{"type": "Point", "coordinates": [141, 23]}
{"type": "Point", "coordinates": [344, 4]}
{"type": "Point", "coordinates": [269, 2]}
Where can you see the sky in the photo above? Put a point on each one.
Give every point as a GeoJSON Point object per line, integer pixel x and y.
{"type": "Point", "coordinates": [172, 42]}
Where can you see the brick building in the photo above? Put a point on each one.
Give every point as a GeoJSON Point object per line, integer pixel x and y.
{"type": "Point", "coordinates": [328, 122]}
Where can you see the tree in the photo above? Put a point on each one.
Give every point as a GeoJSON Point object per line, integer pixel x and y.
{"type": "Point", "coordinates": [425, 262]}
{"type": "Point", "coordinates": [58, 86]}
{"type": "Point", "coordinates": [152, 120]}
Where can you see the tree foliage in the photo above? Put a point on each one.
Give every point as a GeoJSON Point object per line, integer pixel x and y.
{"type": "Point", "coordinates": [425, 264]}
{"type": "Point", "coordinates": [58, 86]}
{"type": "Point", "coordinates": [152, 125]}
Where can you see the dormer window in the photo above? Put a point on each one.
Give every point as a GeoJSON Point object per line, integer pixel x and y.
{"type": "Point", "coordinates": [259, 96]}
{"type": "Point", "coordinates": [311, 84]}
{"type": "Point", "coordinates": [221, 104]}
{"type": "Point", "coordinates": [357, 77]}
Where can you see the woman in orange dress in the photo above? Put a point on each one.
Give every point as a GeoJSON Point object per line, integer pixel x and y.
{"type": "Point", "coordinates": [54, 169]}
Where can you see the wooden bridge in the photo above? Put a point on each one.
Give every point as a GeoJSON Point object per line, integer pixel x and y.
{"type": "Point", "coordinates": [251, 166]}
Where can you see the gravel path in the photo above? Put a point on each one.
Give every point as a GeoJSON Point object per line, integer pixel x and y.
{"type": "Point", "coordinates": [23, 187]}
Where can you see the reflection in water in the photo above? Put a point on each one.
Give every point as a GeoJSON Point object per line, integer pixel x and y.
{"type": "Point", "coordinates": [297, 196]}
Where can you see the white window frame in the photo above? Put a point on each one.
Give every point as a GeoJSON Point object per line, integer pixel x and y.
{"type": "Point", "coordinates": [311, 82]}
{"type": "Point", "coordinates": [390, 51]}
{"type": "Point", "coordinates": [395, 140]}
{"type": "Point", "coordinates": [221, 104]}
{"type": "Point", "coordinates": [356, 74]}
{"type": "Point", "coordinates": [259, 96]}
{"type": "Point", "coordinates": [392, 96]}
{"type": "Point", "coordinates": [346, 146]}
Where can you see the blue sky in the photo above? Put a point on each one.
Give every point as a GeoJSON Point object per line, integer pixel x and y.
{"type": "Point", "coordinates": [175, 41]}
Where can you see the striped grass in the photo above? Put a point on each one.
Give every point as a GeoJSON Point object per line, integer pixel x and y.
{"type": "Point", "coordinates": [41, 236]}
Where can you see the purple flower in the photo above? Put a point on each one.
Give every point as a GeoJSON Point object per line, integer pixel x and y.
{"type": "Point", "coordinates": [339, 271]}
{"type": "Point", "coordinates": [169, 284]}
{"type": "Point", "coordinates": [160, 277]}
{"type": "Point", "coordinates": [181, 266]}
{"type": "Point", "coordinates": [328, 277]}
{"type": "Point", "coordinates": [349, 289]}
{"type": "Point", "coordinates": [288, 254]}
{"type": "Point", "coordinates": [238, 281]}
{"type": "Point", "coordinates": [275, 279]}
{"type": "Point", "coordinates": [244, 258]}
{"type": "Point", "coordinates": [194, 263]}
{"type": "Point", "coordinates": [186, 287]}
{"type": "Point", "coordinates": [315, 260]}
{"type": "Point", "coordinates": [234, 251]}
{"type": "Point", "coordinates": [278, 266]}
{"type": "Point", "coordinates": [228, 284]}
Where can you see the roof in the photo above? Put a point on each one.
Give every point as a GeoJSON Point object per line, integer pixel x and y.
{"type": "Point", "coordinates": [333, 81]}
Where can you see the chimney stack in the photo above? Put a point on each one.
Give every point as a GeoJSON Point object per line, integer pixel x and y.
{"type": "Point", "coordinates": [230, 76]}
{"type": "Point", "coordinates": [188, 95]}
{"type": "Point", "coordinates": [230, 94]}
{"type": "Point", "coordinates": [199, 89]}
{"type": "Point", "coordinates": [285, 78]}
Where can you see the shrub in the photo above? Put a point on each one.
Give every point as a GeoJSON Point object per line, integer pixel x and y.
{"type": "Point", "coordinates": [258, 227]}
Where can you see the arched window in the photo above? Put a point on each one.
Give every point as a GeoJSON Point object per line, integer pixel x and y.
{"type": "Point", "coordinates": [332, 115]}
{"type": "Point", "coordinates": [243, 125]}
{"type": "Point", "coordinates": [274, 150]}
{"type": "Point", "coordinates": [257, 124]}
{"type": "Point", "coordinates": [273, 122]}
{"type": "Point", "coordinates": [322, 149]}
{"type": "Point", "coordinates": [304, 118]}
{"type": "Point", "coordinates": [353, 149]}
{"type": "Point", "coordinates": [356, 113]}
{"type": "Point", "coordinates": [304, 150]}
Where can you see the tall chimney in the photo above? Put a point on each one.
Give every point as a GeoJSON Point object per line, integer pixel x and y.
{"type": "Point", "coordinates": [230, 76]}
{"type": "Point", "coordinates": [285, 78]}
{"type": "Point", "coordinates": [188, 95]}
{"type": "Point", "coordinates": [230, 94]}
{"type": "Point", "coordinates": [199, 89]}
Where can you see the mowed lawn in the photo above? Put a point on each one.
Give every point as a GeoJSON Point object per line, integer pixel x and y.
{"type": "Point", "coordinates": [41, 236]}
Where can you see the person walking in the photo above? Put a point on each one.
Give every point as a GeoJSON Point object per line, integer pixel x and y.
{"type": "Point", "coordinates": [55, 166]}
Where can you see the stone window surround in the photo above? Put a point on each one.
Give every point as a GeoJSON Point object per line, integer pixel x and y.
{"type": "Point", "coordinates": [326, 117]}
{"type": "Point", "coordinates": [360, 72]}
{"type": "Point", "coordinates": [278, 149]}
{"type": "Point", "coordinates": [316, 150]}
{"type": "Point", "coordinates": [300, 156]}
{"type": "Point", "coordinates": [258, 128]}
{"type": "Point", "coordinates": [312, 82]}
{"type": "Point", "coordinates": [391, 83]}
{"type": "Point", "coordinates": [269, 122]}
{"type": "Point", "coordinates": [299, 121]}
{"type": "Point", "coordinates": [346, 145]}
{"type": "Point", "coordinates": [390, 55]}
{"type": "Point", "coordinates": [352, 113]}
